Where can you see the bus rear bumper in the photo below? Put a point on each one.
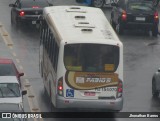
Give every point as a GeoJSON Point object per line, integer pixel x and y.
{"type": "Point", "coordinates": [113, 105]}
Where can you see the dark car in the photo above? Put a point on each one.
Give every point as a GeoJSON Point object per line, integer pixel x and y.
{"type": "Point", "coordinates": [24, 11]}
{"type": "Point", "coordinates": [134, 14]}
{"type": "Point", "coordinates": [8, 68]}
{"type": "Point", "coordinates": [156, 83]}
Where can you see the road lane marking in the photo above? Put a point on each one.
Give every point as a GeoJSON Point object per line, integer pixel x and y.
{"type": "Point", "coordinates": [32, 101]}
{"type": "Point", "coordinates": [14, 54]}
{"type": "Point", "coordinates": [20, 67]}
{"type": "Point", "coordinates": [17, 60]}
{"type": "Point", "coordinates": [6, 37]}
{"type": "Point", "coordinates": [10, 47]}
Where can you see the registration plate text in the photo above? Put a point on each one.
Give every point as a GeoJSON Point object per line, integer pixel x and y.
{"type": "Point", "coordinates": [140, 18]}
{"type": "Point", "coordinates": [106, 89]}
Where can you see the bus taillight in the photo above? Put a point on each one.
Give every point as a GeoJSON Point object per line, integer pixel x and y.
{"type": "Point", "coordinates": [120, 89]}
{"type": "Point", "coordinates": [60, 87]}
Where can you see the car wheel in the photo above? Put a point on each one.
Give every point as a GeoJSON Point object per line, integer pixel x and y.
{"type": "Point", "coordinates": [119, 28]}
{"type": "Point", "coordinates": [17, 22]}
{"type": "Point", "coordinates": [155, 31]}
{"type": "Point", "coordinates": [155, 93]}
{"type": "Point", "coordinates": [97, 3]}
{"type": "Point", "coordinates": [112, 24]}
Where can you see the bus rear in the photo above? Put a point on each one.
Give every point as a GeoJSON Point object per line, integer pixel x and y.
{"type": "Point", "coordinates": [93, 76]}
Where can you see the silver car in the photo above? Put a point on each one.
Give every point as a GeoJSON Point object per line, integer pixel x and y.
{"type": "Point", "coordinates": [10, 91]}
{"type": "Point", "coordinates": [156, 83]}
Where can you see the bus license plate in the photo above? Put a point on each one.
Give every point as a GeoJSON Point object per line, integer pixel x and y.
{"type": "Point", "coordinates": [89, 93]}
{"type": "Point", "coordinates": [106, 89]}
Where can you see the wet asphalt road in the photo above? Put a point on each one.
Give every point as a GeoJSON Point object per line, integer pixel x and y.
{"type": "Point", "coordinates": [141, 60]}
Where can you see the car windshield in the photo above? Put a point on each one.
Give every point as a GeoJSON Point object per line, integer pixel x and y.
{"type": "Point", "coordinates": [7, 70]}
{"type": "Point", "coordinates": [9, 90]}
{"type": "Point", "coordinates": [33, 3]}
{"type": "Point", "coordinates": [140, 6]}
{"type": "Point", "coordinates": [91, 57]}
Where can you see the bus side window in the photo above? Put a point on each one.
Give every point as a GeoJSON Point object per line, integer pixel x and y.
{"type": "Point", "coordinates": [49, 44]}
{"type": "Point", "coordinates": [47, 48]}
{"type": "Point", "coordinates": [55, 56]}
{"type": "Point", "coordinates": [45, 36]}
{"type": "Point", "coordinates": [52, 49]}
{"type": "Point", "coordinates": [44, 26]}
{"type": "Point", "coordinates": [70, 59]}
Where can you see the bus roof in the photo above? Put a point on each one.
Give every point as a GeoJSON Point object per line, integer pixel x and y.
{"type": "Point", "coordinates": [80, 23]}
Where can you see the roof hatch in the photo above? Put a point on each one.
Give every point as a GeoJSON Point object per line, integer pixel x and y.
{"type": "Point", "coordinates": [76, 9]}
{"type": "Point", "coordinates": [84, 24]}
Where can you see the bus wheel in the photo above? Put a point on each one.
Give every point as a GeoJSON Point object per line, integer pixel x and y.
{"type": "Point", "coordinates": [97, 3]}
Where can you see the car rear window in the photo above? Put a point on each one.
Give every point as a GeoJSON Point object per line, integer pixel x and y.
{"type": "Point", "coordinates": [33, 3]}
{"type": "Point", "coordinates": [140, 6]}
{"type": "Point", "coordinates": [7, 70]}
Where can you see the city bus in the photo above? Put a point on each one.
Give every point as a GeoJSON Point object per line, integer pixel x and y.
{"type": "Point", "coordinates": [81, 59]}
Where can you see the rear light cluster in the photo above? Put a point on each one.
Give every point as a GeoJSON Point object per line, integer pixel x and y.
{"type": "Point", "coordinates": [120, 89]}
{"type": "Point", "coordinates": [21, 13]}
{"type": "Point", "coordinates": [60, 87]}
{"type": "Point", "coordinates": [156, 18]}
{"type": "Point", "coordinates": [124, 16]}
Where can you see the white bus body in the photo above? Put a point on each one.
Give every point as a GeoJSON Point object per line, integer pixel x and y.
{"type": "Point", "coordinates": [81, 59]}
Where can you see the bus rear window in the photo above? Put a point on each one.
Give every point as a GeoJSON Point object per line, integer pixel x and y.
{"type": "Point", "coordinates": [91, 57]}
